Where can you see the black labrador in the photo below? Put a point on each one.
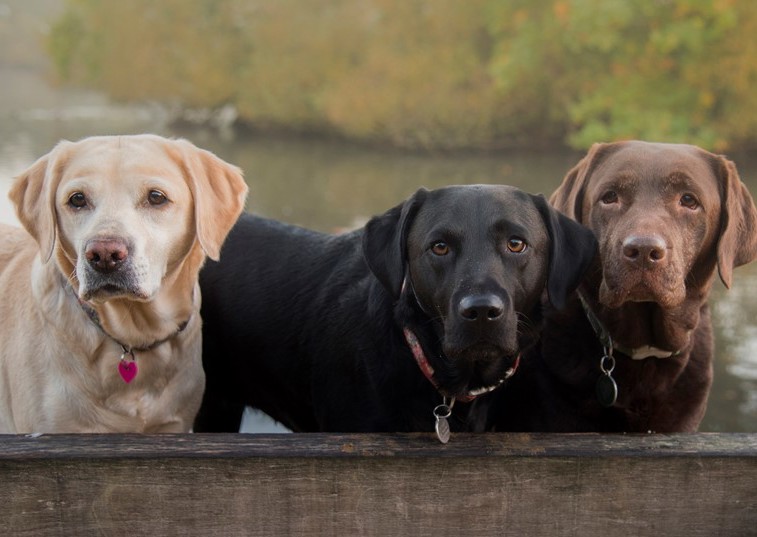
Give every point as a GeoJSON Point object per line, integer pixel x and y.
{"type": "Point", "coordinates": [431, 302]}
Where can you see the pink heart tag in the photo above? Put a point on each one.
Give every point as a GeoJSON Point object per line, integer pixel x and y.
{"type": "Point", "coordinates": [127, 370]}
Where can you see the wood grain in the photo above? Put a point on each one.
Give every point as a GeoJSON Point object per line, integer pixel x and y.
{"type": "Point", "coordinates": [393, 484]}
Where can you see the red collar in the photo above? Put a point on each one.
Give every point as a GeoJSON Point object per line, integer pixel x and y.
{"type": "Point", "coordinates": [428, 371]}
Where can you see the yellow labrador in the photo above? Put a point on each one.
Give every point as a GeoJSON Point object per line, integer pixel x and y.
{"type": "Point", "coordinates": [99, 298]}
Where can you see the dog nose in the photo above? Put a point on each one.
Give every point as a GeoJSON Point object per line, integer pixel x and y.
{"type": "Point", "coordinates": [487, 307]}
{"type": "Point", "coordinates": [106, 255]}
{"type": "Point", "coordinates": [644, 249]}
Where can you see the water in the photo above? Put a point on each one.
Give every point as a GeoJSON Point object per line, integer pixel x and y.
{"type": "Point", "coordinates": [330, 186]}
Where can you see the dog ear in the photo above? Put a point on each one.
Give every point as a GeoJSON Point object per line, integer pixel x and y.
{"type": "Point", "coordinates": [738, 220]}
{"type": "Point", "coordinates": [33, 194]}
{"type": "Point", "coordinates": [572, 249]}
{"type": "Point", "coordinates": [219, 193]}
{"type": "Point", "coordinates": [384, 242]}
{"type": "Point", "coordinates": [569, 196]}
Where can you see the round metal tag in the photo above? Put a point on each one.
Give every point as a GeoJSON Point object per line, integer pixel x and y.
{"type": "Point", "coordinates": [607, 390]}
{"type": "Point", "coordinates": [442, 430]}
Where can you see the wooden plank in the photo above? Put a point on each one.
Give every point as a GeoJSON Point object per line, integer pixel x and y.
{"type": "Point", "coordinates": [403, 484]}
{"type": "Point", "coordinates": [411, 445]}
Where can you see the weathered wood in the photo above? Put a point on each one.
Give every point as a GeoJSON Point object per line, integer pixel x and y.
{"type": "Point", "coordinates": [403, 484]}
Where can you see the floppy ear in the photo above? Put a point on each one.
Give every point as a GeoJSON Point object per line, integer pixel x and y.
{"type": "Point", "coordinates": [219, 193]}
{"type": "Point", "coordinates": [384, 242]}
{"type": "Point", "coordinates": [738, 221]}
{"type": "Point", "coordinates": [572, 249]}
{"type": "Point", "coordinates": [33, 194]}
{"type": "Point", "coordinates": [569, 196]}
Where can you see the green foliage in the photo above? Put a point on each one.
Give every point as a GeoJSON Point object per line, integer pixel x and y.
{"type": "Point", "coordinates": [434, 73]}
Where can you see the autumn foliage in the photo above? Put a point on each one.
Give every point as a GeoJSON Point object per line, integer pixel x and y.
{"type": "Point", "coordinates": [433, 73]}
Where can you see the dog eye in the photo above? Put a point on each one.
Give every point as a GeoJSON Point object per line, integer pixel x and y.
{"type": "Point", "coordinates": [516, 245]}
{"type": "Point", "coordinates": [609, 197]}
{"type": "Point", "coordinates": [77, 200]}
{"type": "Point", "coordinates": [440, 248]}
{"type": "Point", "coordinates": [689, 201]}
{"type": "Point", "coordinates": [156, 197]}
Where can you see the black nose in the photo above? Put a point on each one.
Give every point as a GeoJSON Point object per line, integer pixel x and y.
{"type": "Point", "coordinates": [106, 255]}
{"type": "Point", "coordinates": [644, 249]}
{"type": "Point", "coordinates": [487, 307]}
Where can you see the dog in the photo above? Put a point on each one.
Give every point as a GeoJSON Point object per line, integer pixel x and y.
{"type": "Point", "coordinates": [633, 350]}
{"type": "Point", "coordinates": [99, 297]}
{"type": "Point", "coordinates": [384, 328]}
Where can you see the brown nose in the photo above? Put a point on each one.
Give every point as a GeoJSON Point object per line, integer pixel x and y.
{"type": "Point", "coordinates": [106, 255]}
{"type": "Point", "coordinates": [645, 250]}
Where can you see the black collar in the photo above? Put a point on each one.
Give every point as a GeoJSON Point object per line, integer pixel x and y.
{"type": "Point", "coordinates": [605, 339]}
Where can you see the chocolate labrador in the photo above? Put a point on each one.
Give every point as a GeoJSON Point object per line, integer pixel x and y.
{"type": "Point", "coordinates": [430, 304]}
{"type": "Point", "coordinates": [633, 350]}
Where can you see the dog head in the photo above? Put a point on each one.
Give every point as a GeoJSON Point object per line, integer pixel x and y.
{"type": "Point", "coordinates": [473, 262]}
{"type": "Point", "coordinates": [665, 216]}
{"type": "Point", "coordinates": [120, 213]}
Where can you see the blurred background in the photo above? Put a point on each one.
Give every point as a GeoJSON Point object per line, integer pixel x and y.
{"type": "Point", "coordinates": [339, 109]}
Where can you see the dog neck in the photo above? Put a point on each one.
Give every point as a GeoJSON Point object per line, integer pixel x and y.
{"type": "Point", "coordinates": [141, 326]}
{"type": "Point", "coordinates": [428, 370]}
{"type": "Point", "coordinates": [128, 349]}
{"type": "Point", "coordinates": [637, 353]}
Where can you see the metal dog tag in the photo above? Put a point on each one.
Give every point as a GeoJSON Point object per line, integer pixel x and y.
{"type": "Point", "coordinates": [442, 430]}
{"type": "Point", "coordinates": [607, 390]}
{"type": "Point", "coordinates": [441, 413]}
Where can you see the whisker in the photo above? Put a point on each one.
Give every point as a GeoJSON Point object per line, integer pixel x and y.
{"type": "Point", "coordinates": [525, 326]}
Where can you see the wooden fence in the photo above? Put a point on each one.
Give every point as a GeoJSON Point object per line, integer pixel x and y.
{"type": "Point", "coordinates": [400, 484]}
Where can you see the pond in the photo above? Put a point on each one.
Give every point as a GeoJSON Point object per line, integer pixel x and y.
{"type": "Point", "coordinates": [331, 186]}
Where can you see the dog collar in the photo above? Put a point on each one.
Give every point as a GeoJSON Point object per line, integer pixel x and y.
{"type": "Point", "coordinates": [428, 371]}
{"type": "Point", "coordinates": [444, 411]}
{"type": "Point", "coordinates": [606, 388]}
{"type": "Point", "coordinates": [639, 353]}
{"type": "Point", "coordinates": [127, 363]}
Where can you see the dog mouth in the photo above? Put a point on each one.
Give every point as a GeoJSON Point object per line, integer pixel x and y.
{"type": "Point", "coordinates": [664, 290]}
{"type": "Point", "coordinates": [478, 353]}
{"type": "Point", "coordinates": [100, 286]}
{"type": "Point", "coordinates": [109, 290]}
